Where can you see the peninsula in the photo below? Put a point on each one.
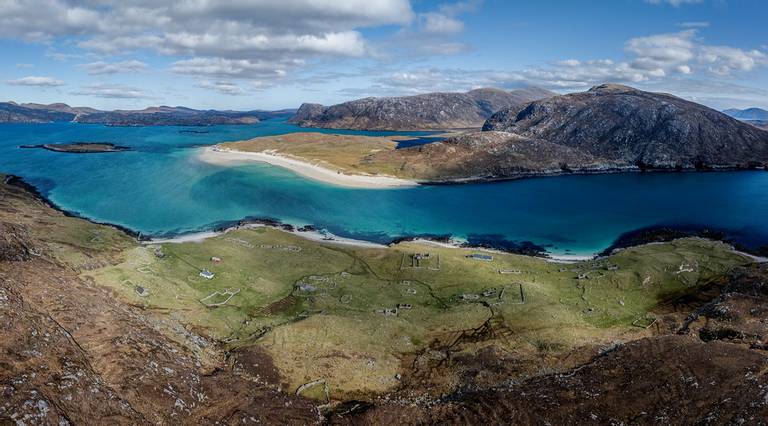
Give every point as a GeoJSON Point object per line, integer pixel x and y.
{"type": "Point", "coordinates": [607, 129]}
{"type": "Point", "coordinates": [310, 167]}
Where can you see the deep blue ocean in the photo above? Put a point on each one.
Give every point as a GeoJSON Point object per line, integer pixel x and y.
{"type": "Point", "coordinates": [159, 188]}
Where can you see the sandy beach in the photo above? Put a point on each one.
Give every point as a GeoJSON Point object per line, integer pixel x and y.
{"type": "Point", "coordinates": [317, 236]}
{"type": "Point", "coordinates": [221, 156]}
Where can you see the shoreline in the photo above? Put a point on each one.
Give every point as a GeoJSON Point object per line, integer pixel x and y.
{"type": "Point", "coordinates": [225, 157]}
{"type": "Point", "coordinates": [310, 233]}
{"type": "Point", "coordinates": [328, 238]}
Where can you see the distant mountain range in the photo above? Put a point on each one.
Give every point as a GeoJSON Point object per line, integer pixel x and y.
{"type": "Point", "coordinates": [749, 114]}
{"type": "Point", "coordinates": [757, 117]}
{"type": "Point", "coordinates": [11, 112]}
{"type": "Point", "coordinates": [419, 112]}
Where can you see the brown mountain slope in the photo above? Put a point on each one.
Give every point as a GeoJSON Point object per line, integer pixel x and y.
{"type": "Point", "coordinates": [488, 156]}
{"type": "Point", "coordinates": [71, 353]}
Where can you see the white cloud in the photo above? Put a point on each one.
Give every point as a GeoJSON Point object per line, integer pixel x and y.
{"type": "Point", "coordinates": [121, 44]}
{"type": "Point", "coordinates": [259, 31]}
{"type": "Point", "coordinates": [223, 87]}
{"type": "Point", "coordinates": [113, 91]}
{"type": "Point", "coordinates": [235, 68]}
{"type": "Point", "coordinates": [662, 51]}
{"type": "Point", "coordinates": [724, 60]}
{"type": "Point", "coordinates": [99, 68]}
{"type": "Point", "coordinates": [434, 32]}
{"type": "Point", "coordinates": [651, 59]}
{"type": "Point", "coordinates": [694, 24]}
{"type": "Point", "coordinates": [240, 45]}
{"type": "Point", "coordinates": [437, 23]}
{"type": "Point", "coordinates": [36, 81]}
{"type": "Point", "coordinates": [675, 3]}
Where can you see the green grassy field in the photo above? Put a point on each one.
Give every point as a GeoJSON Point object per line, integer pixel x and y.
{"type": "Point", "coordinates": [350, 315]}
{"type": "Point", "coordinates": [350, 153]}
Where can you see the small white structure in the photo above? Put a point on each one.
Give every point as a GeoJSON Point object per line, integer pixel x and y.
{"type": "Point", "coordinates": [387, 312]}
{"type": "Point", "coordinates": [208, 275]}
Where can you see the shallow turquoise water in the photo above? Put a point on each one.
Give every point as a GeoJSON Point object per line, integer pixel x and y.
{"type": "Point", "coordinates": [160, 188]}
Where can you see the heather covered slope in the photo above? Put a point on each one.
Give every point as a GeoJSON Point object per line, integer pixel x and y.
{"type": "Point", "coordinates": [420, 112]}
{"type": "Point", "coordinates": [647, 129]}
{"type": "Point", "coordinates": [705, 364]}
{"type": "Point", "coordinates": [488, 155]}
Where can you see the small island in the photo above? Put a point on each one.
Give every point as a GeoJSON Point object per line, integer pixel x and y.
{"type": "Point", "coordinates": [81, 147]}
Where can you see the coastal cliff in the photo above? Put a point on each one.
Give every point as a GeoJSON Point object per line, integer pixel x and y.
{"type": "Point", "coordinates": [420, 112]}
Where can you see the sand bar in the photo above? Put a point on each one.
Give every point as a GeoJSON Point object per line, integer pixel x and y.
{"type": "Point", "coordinates": [223, 157]}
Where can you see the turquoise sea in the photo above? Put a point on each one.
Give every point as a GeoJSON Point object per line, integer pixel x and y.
{"type": "Point", "coordinates": [160, 189]}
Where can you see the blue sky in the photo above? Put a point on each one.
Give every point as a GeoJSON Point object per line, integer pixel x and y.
{"type": "Point", "coordinates": [266, 54]}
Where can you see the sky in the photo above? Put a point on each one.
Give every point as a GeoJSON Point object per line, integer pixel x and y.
{"type": "Point", "coordinates": [273, 54]}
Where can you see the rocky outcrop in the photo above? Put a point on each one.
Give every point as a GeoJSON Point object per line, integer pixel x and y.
{"type": "Point", "coordinates": [420, 112]}
{"type": "Point", "coordinates": [650, 130]}
{"type": "Point", "coordinates": [15, 243]}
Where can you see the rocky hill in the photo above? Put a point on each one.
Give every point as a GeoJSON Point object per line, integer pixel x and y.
{"type": "Point", "coordinates": [60, 107]}
{"type": "Point", "coordinates": [168, 116]}
{"type": "Point", "coordinates": [11, 112]}
{"type": "Point", "coordinates": [633, 127]}
{"type": "Point", "coordinates": [488, 156]}
{"type": "Point", "coordinates": [427, 111]}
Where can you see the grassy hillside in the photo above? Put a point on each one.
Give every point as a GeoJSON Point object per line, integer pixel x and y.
{"type": "Point", "coordinates": [319, 309]}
